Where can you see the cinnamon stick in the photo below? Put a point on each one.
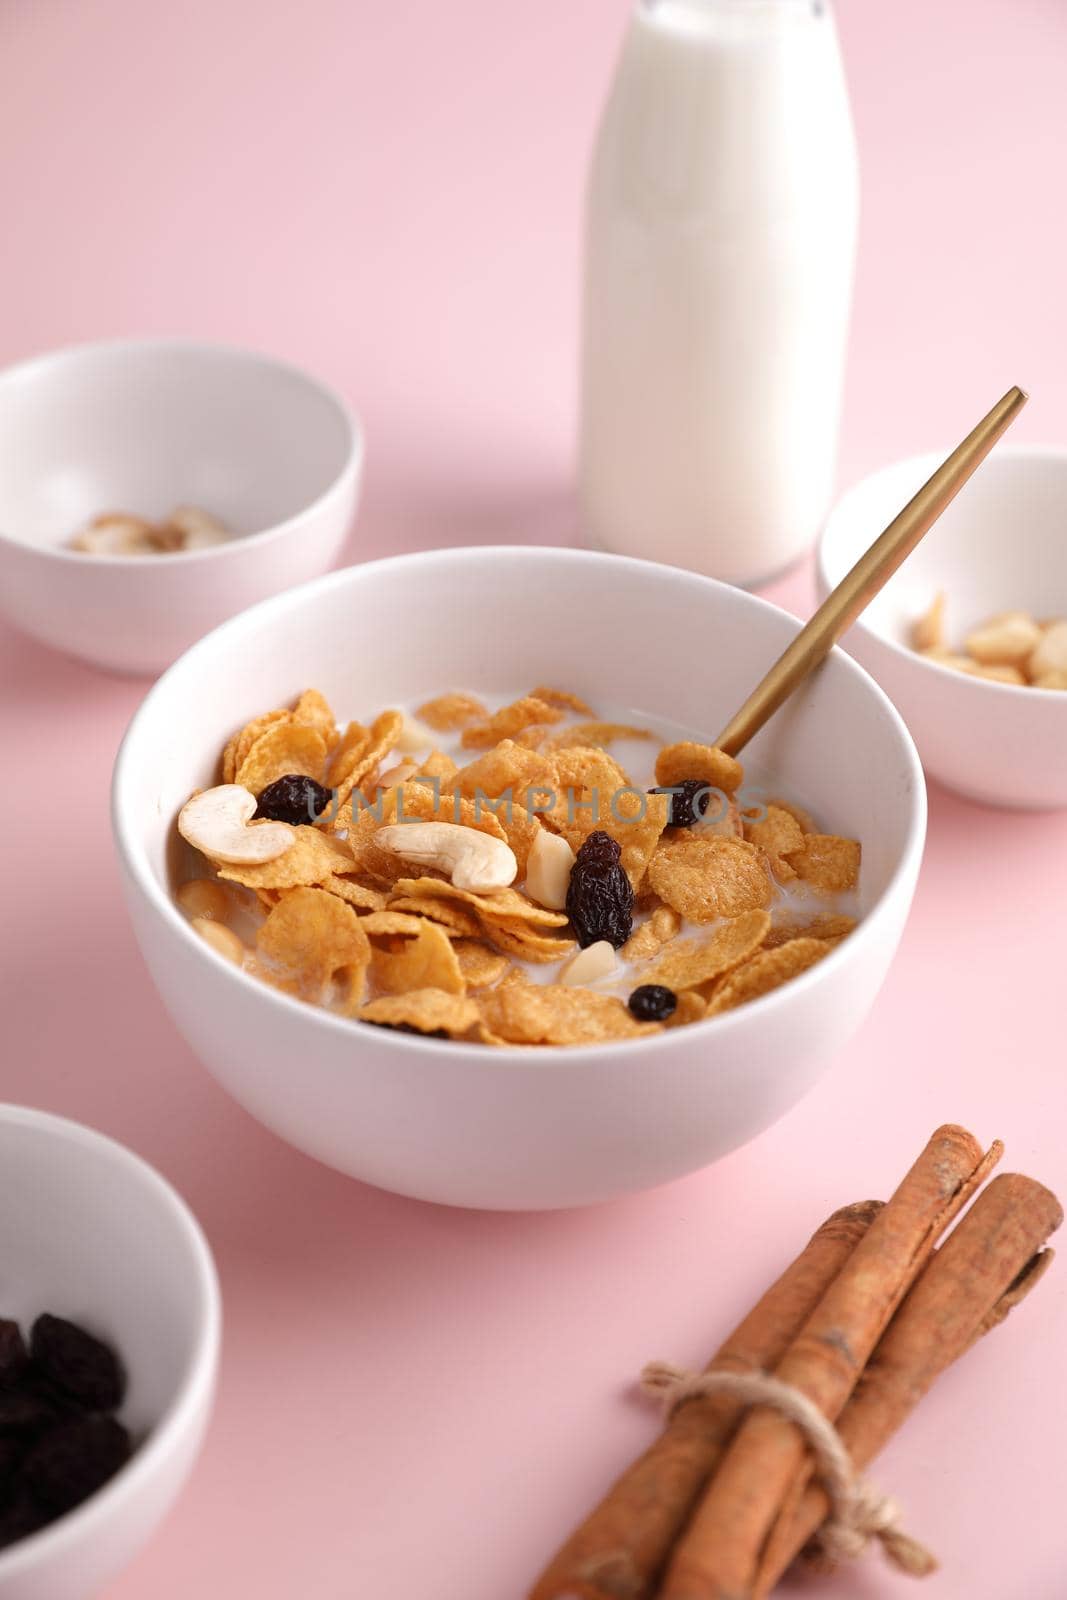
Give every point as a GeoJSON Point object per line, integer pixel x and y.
{"type": "Point", "coordinates": [620, 1550]}
{"type": "Point", "coordinates": [718, 1555]}
{"type": "Point", "coordinates": [985, 1267]}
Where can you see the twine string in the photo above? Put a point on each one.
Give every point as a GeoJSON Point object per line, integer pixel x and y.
{"type": "Point", "coordinates": [858, 1512]}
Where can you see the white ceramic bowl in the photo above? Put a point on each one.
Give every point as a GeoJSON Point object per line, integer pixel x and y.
{"type": "Point", "coordinates": [541, 1127]}
{"type": "Point", "coordinates": [1001, 546]}
{"type": "Point", "coordinates": [144, 426]}
{"type": "Point", "coordinates": [90, 1232]}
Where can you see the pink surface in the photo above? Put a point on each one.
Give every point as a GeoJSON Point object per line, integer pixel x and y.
{"type": "Point", "coordinates": [417, 1401]}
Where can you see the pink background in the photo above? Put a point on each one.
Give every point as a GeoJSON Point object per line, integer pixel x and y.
{"type": "Point", "coordinates": [416, 1401]}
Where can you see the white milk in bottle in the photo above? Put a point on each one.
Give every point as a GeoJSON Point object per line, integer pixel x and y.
{"type": "Point", "coordinates": [720, 245]}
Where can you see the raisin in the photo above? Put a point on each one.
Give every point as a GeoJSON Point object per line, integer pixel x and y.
{"type": "Point", "coordinates": [72, 1461]}
{"type": "Point", "coordinates": [294, 799]}
{"type": "Point", "coordinates": [652, 1002]}
{"type": "Point", "coordinates": [26, 1414]}
{"type": "Point", "coordinates": [20, 1516]}
{"type": "Point", "coordinates": [78, 1364]}
{"type": "Point", "coordinates": [13, 1353]}
{"type": "Point", "coordinates": [600, 897]}
{"type": "Point", "coordinates": [689, 801]}
{"type": "Point", "coordinates": [11, 1452]}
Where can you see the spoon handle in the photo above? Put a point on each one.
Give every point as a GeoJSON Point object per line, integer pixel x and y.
{"type": "Point", "coordinates": [874, 569]}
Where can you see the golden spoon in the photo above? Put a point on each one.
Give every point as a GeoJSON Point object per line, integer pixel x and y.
{"type": "Point", "coordinates": [874, 569]}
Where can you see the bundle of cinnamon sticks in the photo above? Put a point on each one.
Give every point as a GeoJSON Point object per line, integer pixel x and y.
{"type": "Point", "coordinates": [861, 1323]}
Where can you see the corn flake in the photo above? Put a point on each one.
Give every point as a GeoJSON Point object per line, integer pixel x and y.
{"type": "Point", "coordinates": [827, 863]}
{"type": "Point", "coordinates": [525, 944]}
{"type": "Point", "coordinates": [656, 931]}
{"type": "Point", "coordinates": [801, 817]}
{"type": "Point", "coordinates": [502, 905]}
{"type": "Point", "coordinates": [708, 878]}
{"type": "Point", "coordinates": [425, 962]}
{"type": "Point", "coordinates": [244, 739]}
{"type": "Point", "coordinates": [481, 966]}
{"type": "Point", "coordinates": [828, 927]}
{"type": "Point", "coordinates": [562, 700]}
{"type": "Point", "coordinates": [384, 733]}
{"type": "Point", "coordinates": [308, 939]}
{"type": "Point", "coordinates": [313, 709]}
{"type": "Point", "coordinates": [594, 735]}
{"type": "Point", "coordinates": [353, 742]}
{"type": "Point", "coordinates": [438, 765]}
{"type": "Point", "coordinates": [526, 1013]}
{"type": "Point", "coordinates": [425, 1011]}
{"type": "Point", "coordinates": [508, 721]}
{"type": "Point", "coordinates": [686, 760]}
{"type": "Point", "coordinates": [447, 712]}
{"type": "Point", "coordinates": [508, 766]}
{"type": "Point", "coordinates": [356, 894]}
{"type": "Point", "coordinates": [777, 834]}
{"type": "Point", "coordinates": [533, 737]}
{"type": "Point", "coordinates": [691, 1007]}
{"type": "Point", "coordinates": [283, 748]}
{"type": "Point", "coordinates": [692, 962]}
{"type": "Point", "coordinates": [457, 920]}
{"type": "Point", "coordinates": [764, 972]}
{"type": "Point", "coordinates": [388, 924]}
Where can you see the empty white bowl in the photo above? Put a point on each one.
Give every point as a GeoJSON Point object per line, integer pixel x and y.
{"type": "Point", "coordinates": [1001, 546]}
{"type": "Point", "coordinates": [530, 1128]}
{"type": "Point", "coordinates": [90, 1232]}
{"type": "Point", "coordinates": [144, 426]}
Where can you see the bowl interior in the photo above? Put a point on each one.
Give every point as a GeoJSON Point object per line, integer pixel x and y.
{"type": "Point", "coordinates": [1000, 546]}
{"type": "Point", "coordinates": [628, 636]}
{"type": "Point", "coordinates": [145, 427]}
{"type": "Point", "coordinates": [89, 1232]}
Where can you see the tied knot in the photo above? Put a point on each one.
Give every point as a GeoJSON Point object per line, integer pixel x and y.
{"type": "Point", "coordinates": [858, 1513]}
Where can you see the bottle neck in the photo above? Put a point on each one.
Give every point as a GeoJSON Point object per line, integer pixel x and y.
{"type": "Point", "coordinates": [696, 9]}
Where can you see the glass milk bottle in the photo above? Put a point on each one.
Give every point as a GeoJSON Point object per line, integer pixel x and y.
{"type": "Point", "coordinates": [720, 243]}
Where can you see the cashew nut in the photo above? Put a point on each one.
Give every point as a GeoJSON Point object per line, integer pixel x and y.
{"type": "Point", "coordinates": [215, 822]}
{"type": "Point", "coordinates": [928, 631]}
{"type": "Point", "coordinates": [1051, 653]}
{"type": "Point", "coordinates": [588, 966]}
{"type": "Point", "coordinates": [548, 870]}
{"type": "Point", "coordinates": [196, 529]}
{"type": "Point", "coordinates": [116, 534]}
{"type": "Point", "coordinates": [415, 737]}
{"type": "Point", "coordinates": [1004, 641]}
{"type": "Point", "coordinates": [472, 860]}
{"type": "Point", "coordinates": [398, 774]}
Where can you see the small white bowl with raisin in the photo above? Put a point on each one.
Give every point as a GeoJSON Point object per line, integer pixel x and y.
{"type": "Point", "coordinates": [91, 1235]}
{"type": "Point", "coordinates": [457, 1120]}
{"type": "Point", "coordinates": [991, 575]}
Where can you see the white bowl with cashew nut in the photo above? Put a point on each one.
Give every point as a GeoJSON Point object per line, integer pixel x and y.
{"type": "Point", "coordinates": [149, 489]}
{"type": "Point", "coordinates": [453, 1120]}
{"type": "Point", "coordinates": [969, 638]}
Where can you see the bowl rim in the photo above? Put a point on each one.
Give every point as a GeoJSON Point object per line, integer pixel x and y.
{"type": "Point", "coordinates": [197, 1384]}
{"type": "Point", "coordinates": [825, 582]}
{"type": "Point", "coordinates": [135, 864]}
{"type": "Point", "coordinates": [355, 448]}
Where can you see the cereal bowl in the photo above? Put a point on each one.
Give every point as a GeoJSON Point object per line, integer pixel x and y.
{"type": "Point", "coordinates": [999, 546]}
{"type": "Point", "coordinates": [89, 1232]}
{"type": "Point", "coordinates": [538, 1127]}
{"type": "Point", "coordinates": [144, 426]}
